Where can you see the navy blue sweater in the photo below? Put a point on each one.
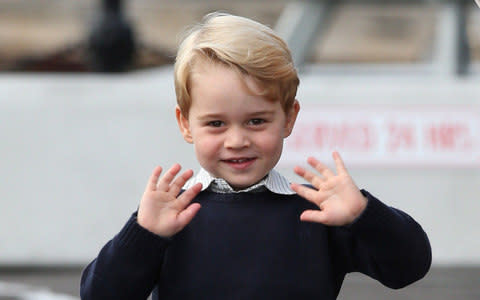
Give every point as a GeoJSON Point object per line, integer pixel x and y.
{"type": "Point", "coordinates": [254, 246]}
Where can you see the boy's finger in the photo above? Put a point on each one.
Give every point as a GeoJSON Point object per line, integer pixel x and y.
{"type": "Point", "coordinates": [307, 193]}
{"type": "Point", "coordinates": [316, 216]}
{"type": "Point", "coordinates": [164, 182]}
{"type": "Point", "coordinates": [186, 197]}
{"type": "Point", "coordinates": [152, 182]}
{"type": "Point", "coordinates": [179, 182]}
{"type": "Point", "coordinates": [187, 215]}
{"type": "Point", "coordinates": [339, 163]}
{"type": "Point", "coordinates": [311, 177]}
{"type": "Point", "coordinates": [321, 168]}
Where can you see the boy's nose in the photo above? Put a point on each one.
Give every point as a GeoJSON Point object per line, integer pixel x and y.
{"type": "Point", "coordinates": [236, 138]}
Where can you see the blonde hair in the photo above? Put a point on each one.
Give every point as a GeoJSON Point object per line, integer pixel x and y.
{"type": "Point", "coordinates": [248, 47]}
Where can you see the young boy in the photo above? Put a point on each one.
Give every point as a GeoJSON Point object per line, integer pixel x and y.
{"type": "Point", "coordinates": [239, 230]}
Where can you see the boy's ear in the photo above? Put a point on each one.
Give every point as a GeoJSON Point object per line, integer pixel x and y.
{"type": "Point", "coordinates": [291, 118]}
{"type": "Point", "coordinates": [184, 125]}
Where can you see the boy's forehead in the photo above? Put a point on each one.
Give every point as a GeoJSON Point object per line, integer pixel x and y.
{"type": "Point", "coordinates": [204, 67]}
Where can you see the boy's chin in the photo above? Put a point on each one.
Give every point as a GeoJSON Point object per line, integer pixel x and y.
{"type": "Point", "coordinates": [241, 185]}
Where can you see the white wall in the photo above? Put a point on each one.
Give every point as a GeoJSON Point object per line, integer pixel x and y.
{"type": "Point", "coordinates": [77, 150]}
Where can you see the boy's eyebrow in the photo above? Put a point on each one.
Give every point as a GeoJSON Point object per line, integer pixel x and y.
{"type": "Point", "coordinates": [262, 113]}
{"type": "Point", "coordinates": [209, 116]}
{"type": "Point", "coordinates": [220, 115]}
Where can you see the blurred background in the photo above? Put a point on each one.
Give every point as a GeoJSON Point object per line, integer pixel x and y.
{"type": "Point", "coordinates": [87, 111]}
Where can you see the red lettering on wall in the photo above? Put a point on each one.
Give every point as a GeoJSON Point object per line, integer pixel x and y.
{"type": "Point", "coordinates": [400, 137]}
{"type": "Point", "coordinates": [448, 137]}
{"type": "Point", "coordinates": [351, 136]}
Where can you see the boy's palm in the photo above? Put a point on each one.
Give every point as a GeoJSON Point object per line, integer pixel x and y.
{"type": "Point", "coordinates": [336, 195]}
{"type": "Point", "coordinates": [162, 211]}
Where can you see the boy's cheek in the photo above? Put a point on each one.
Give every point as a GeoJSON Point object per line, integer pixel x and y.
{"type": "Point", "coordinates": [204, 147]}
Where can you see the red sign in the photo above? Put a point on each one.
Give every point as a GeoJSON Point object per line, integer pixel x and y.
{"type": "Point", "coordinates": [422, 135]}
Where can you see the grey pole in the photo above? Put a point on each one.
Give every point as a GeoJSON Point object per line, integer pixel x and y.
{"type": "Point", "coordinates": [463, 47]}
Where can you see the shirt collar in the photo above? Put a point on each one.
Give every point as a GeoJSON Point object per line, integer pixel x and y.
{"type": "Point", "coordinates": [274, 182]}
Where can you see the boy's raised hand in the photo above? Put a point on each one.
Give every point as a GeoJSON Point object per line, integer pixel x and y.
{"type": "Point", "coordinates": [161, 210]}
{"type": "Point", "coordinates": [338, 198]}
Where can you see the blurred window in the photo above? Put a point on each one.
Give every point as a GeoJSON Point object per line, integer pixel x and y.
{"type": "Point", "coordinates": [55, 31]}
{"type": "Point", "coordinates": [161, 23]}
{"type": "Point", "coordinates": [473, 32]}
{"type": "Point", "coordinates": [31, 30]}
{"type": "Point", "coordinates": [376, 33]}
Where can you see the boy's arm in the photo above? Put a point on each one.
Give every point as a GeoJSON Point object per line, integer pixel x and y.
{"type": "Point", "coordinates": [370, 237]}
{"type": "Point", "coordinates": [384, 243]}
{"type": "Point", "coordinates": [128, 266]}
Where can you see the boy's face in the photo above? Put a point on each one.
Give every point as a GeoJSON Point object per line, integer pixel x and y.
{"type": "Point", "coordinates": [237, 134]}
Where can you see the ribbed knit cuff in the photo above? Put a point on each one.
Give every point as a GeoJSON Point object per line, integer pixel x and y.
{"type": "Point", "coordinates": [135, 237]}
{"type": "Point", "coordinates": [375, 215]}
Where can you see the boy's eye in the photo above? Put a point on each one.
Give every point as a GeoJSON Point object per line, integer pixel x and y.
{"type": "Point", "coordinates": [256, 121]}
{"type": "Point", "coordinates": [215, 123]}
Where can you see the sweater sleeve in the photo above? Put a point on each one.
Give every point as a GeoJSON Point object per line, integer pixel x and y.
{"type": "Point", "coordinates": [384, 243]}
{"type": "Point", "coordinates": [127, 267]}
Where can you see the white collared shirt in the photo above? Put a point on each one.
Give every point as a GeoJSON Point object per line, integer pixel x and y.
{"type": "Point", "coordinates": [274, 182]}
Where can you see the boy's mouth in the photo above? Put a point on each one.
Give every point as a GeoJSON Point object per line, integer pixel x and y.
{"type": "Point", "coordinates": [240, 163]}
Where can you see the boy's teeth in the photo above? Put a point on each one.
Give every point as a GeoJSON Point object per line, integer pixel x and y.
{"type": "Point", "coordinates": [239, 160]}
